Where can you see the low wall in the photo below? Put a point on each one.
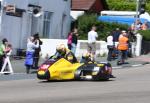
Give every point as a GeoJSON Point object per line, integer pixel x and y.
{"type": "Point", "coordinates": [49, 47]}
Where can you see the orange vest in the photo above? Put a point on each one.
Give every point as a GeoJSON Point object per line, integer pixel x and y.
{"type": "Point", "coordinates": [123, 43]}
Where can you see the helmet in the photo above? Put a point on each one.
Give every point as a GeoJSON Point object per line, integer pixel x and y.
{"type": "Point", "coordinates": [61, 48]}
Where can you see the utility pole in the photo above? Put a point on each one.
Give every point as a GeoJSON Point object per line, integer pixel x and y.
{"type": "Point", "coordinates": [137, 14]}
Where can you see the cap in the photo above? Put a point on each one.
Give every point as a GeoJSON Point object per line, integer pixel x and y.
{"type": "Point", "coordinates": [4, 40]}
{"type": "Point", "coordinates": [123, 31]}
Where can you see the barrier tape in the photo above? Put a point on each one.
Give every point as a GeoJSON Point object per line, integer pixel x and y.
{"type": "Point", "coordinates": [20, 57]}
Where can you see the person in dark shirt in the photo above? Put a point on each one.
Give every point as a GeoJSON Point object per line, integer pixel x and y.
{"type": "Point", "coordinates": [74, 40]}
{"type": "Point", "coordinates": [37, 51]}
{"type": "Point", "coordinates": [116, 35]}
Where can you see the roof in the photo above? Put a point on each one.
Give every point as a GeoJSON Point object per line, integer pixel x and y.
{"type": "Point", "coordinates": [82, 4]}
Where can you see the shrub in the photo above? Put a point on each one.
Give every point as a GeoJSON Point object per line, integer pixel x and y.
{"type": "Point", "coordinates": [145, 34]}
{"type": "Point", "coordinates": [125, 5]}
{"type": "Point", "coordinates": [86, 21]}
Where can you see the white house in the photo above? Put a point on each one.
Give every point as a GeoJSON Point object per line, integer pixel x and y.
{"type": "Point", "coordinates": [52, 20]}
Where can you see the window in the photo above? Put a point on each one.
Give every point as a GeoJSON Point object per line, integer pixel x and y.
{"type": "Point", "coordinates": [0, 5]}
{"type": "Point", "coordinates": [63, 26]}
{"type": "Point", "coordinates": [46, 24]}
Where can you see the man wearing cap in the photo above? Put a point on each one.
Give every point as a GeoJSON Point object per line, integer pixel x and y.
{"type": "Point", "coordinates": [122, 47]}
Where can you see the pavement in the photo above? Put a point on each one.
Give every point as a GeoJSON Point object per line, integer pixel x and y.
{"type": "Point", "coordinates": [19, 67]}
{"type": "Point", "coordinates": [130, 62]}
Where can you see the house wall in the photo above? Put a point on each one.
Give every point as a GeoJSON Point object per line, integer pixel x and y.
{"type": "Point", "coordinates": [18, 29]}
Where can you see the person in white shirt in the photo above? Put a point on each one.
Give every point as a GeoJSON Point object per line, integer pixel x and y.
{"type": "Point", "coordinates": [30, 52]}
{"type": "Point", "coordinates": [110, 46]}
{"type": "Point", "coordinates": [92, 36]}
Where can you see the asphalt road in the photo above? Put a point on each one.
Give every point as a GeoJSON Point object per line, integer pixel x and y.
{"type": "Point", "coordinates": [132, 85]}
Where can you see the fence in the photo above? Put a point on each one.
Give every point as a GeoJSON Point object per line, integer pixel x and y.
{"type": "Point", "coordinates": [49, 47]}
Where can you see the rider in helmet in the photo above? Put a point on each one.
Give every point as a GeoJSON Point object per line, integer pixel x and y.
{"type": "Point", "coordinates": [63, 52]}
{"type": "Point", "coordinates": [87, 57]}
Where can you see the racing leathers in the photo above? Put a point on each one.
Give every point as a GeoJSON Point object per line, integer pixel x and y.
{"type": "Point", "coordinates": [67, 54]}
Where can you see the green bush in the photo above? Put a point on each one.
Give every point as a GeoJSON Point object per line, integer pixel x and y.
{"type": "Point", "coordinates": [86, 21]}
{"type": "Point", "coordinates": [125, 5]}
{"type": "Point", "coordinates": [121, 5]}
{"type": "Point", "coordinates": [145, 34]}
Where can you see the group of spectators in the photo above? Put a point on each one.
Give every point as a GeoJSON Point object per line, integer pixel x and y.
{"type": "Point", "coordinates": [138, 25]}
{"type": "Point", "coordinates": [91, 50]}
{"type": "Point", "coordinates": [119, 42]}
{"type": "Point", "coordinates": [118, 45]}
{"type": "Point", "coordinates": [32, 52]}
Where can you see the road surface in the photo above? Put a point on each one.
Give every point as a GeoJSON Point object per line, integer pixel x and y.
{"type": "Point", "coordinates": [132, 85]}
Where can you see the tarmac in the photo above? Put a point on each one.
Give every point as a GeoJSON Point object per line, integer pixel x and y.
{"type": "Point", "coordinates": [19, 67]}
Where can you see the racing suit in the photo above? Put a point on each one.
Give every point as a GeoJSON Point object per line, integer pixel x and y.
{"type": "Point", "coordinates": [68, 55]}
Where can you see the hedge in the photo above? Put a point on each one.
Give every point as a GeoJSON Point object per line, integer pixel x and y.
{"type": "Point", "coordinates": [86, 21]}
{"type": "Point", "coordinates": [145, 34]}
{"type": "Point", "coordinates": [125, 5]}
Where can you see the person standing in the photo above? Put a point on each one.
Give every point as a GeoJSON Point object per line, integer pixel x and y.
{"type": "Point", "coordinates": [37, 51]}
{"type": "Point", "coordinates": [144, 26]}
{"type": "Point", "coordinates": [92, 36]}
{"type": "Point", "coordinates": [2, 51]}
{"type": "Point", "coordinates": [136, 25]}
{"type": "Point", "coordinates": [110, 46]}
{"type": "Point", "coordinates": [74, 40]}
{"type": "Point", "coordinates": [30, 53]}
{"type": "Point", "coordinates": [8, 51]}
{"type": "Point", "coordinates": [122, 48]}
{"type": "Point", "coordinates": [69, 42]}
{"type": "Point", "coordinates": [116, 34]}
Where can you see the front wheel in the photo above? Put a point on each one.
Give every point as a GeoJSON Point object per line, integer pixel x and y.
{"type": "Point", "coordinates": [77, 75]}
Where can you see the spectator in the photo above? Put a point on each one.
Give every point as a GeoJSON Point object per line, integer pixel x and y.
{"type": "Point", "coordinates": [136, 25]}
{"type": "Point", "coordinates": [2, 51]}
{"type": "Point", "coordinates": [92, 36]}
{"type": "Point", "coordinates": [110, 46]}
{"type": "Point", "coordinates": [31, 45]}
{"type": "Point", "coordinates": [8, 51]}
{"type": "Point", "coordinates": [69, 42]}
{"type": "Point", "coordinates": [116, 35]}
{"type": "Point", "coordinates": [74, 40]}
{"type": "Point", "coordinates": [37, 51]}
{"type": "Point", "coordinates": [144, 26]}
{"type": "Point", "coordinates": [122, 48]}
